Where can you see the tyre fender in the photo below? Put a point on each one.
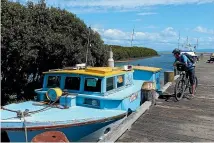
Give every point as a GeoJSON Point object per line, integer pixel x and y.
{"type": "Point", "coordinates": [149, 93]}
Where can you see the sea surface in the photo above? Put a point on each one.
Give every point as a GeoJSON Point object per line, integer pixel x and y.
{"type": "Point", "coordinates": [164, 61]}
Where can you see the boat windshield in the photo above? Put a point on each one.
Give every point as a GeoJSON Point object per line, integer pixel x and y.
{"type": "Point", "coordinates": [92, 85]}
{"type": "Point", "coordinates": [53, 81]}
{"type": "Point", "coordinates": [120, 81]}
{"type": "Point", "coordinates": [72, 83]}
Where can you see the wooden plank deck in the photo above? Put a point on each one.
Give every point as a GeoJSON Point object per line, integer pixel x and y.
{"type": "Point", "coordinates": [189, 120]}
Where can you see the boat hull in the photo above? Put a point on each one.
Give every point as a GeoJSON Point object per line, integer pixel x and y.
{"type": "Point", "coordinates": [88, 132]}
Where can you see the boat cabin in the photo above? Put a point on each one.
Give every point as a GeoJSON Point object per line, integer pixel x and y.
{"type": "Point", "coordinates": [97, 80]}
{"type": "Point", "coordinates": [97, 86]}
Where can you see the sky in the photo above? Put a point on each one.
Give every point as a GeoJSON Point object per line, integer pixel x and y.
{"type": "Point", "coordinates": [156, 23]}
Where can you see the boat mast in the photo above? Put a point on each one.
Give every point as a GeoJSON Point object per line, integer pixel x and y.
{"type": "Point", "coordinates": [132, 37]}
{"type": "Point", "coordinates": [187, 44]}
{"type": "Point", "coordinates": [179, 40]}
{"type": "Point", "coordinates": [86, 56]}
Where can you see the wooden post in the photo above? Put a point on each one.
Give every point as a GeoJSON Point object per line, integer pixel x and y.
{"type": "Point", "coordinates": [211, 56]}
{"type": "Point", "coordinates": [168, 76]}
{"type": "Point", "coordinates": [201, 56]}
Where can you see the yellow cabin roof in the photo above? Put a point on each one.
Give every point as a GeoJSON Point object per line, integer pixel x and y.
{"type": "Point", "coordinates": [151, 69]}
{"type": "Point", "coordinates": [93, 71]}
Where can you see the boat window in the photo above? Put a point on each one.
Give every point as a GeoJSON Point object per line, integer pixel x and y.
{"type": "Point", "coordinates": [92, 84]}
{"type": "Point", "coordinates": [53, 81]}
{"type": "Point", "coordinates": [91, 102]}
{"type": "Point", "coordinates": [109, 83]}
{"type": "Point", "coordinates": [120, 81]}
{"type": "Point", "coordinates": [72, 83]}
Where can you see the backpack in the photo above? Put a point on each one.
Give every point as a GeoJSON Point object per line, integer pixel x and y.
{"type": "Point", "coordinates": [189, 57]}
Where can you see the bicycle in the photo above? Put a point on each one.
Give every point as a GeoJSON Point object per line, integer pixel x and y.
{"type": "Point", "coordinates": [183, 83]}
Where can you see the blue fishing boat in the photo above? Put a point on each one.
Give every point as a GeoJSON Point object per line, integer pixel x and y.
{"type": "Point", "coordinates": [81, 102]}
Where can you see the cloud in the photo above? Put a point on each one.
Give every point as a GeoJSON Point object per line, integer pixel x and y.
{"type": "Point", "coordinates": [169, 32]}
{"type": "Point", "coordinates": [206, 40]}
{"type": "Point", "coordinates": [114, 42]}
{"type": "Point", "coordinates": [119, 36]}
{"type": "Point", "coordinates": [146, 13]}
{"type": "Point", "coordinates": [114, 34]}
{"type": "Point", "coordinates": [210, 39]}
{"type": "Point", "coordinates": [146, 36]}
{"type": "Point", "coordinates": [167, 38]}
{"type": "Point", "coordinates": [204, 30]}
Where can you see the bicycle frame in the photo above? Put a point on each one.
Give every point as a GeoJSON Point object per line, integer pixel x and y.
{"type": "Point", "coordinates": [184, 76]}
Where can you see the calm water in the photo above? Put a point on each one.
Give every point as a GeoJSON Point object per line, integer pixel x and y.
{"type": "Point", "coordinates": [164, 61]}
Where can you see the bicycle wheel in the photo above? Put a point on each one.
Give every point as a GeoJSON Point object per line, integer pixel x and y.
{"type": "Point", "coordinates": [196, 84]}
{"type": "Point", "coordinates": [179, 89]}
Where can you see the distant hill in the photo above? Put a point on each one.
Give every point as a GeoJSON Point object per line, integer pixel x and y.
{"type": "Point", "coordinates": [127, 53]}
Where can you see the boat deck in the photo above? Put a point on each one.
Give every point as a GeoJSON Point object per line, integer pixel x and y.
{"type": "Point", "coordinates": [55, 116]}
{"type": "Point", "coordinates": [186, 120]}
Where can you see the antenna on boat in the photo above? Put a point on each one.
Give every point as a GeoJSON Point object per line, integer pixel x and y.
{"type": "Point", "coordinates": [187, 46]}
{"type": "Point", "coordinates": [132, 37]}
{"type": "Point", "coordinates": [86, 57]}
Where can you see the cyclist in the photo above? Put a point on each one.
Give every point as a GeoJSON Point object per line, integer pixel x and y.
{"type": "Point", "coordinates": [189, 66]}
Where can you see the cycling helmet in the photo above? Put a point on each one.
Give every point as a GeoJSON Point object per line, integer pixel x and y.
{"type": "Point", "coordinates": [176, 51]}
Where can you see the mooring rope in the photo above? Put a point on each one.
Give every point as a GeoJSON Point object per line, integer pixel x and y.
{"type": "Point", "coordinates": [26, 112]}
{"type": "Point", "coordinates": [21, 114]}
{"type": "Point", "coordinates": [25, 127]}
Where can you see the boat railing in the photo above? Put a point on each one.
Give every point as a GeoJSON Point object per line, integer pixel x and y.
{"type": "Point", "coordinates": [69, 68]}
{"type": "Point", "coordinates": [55, 69]}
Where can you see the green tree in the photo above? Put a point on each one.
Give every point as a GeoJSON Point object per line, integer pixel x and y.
{"type": "Point", "coordinates": [36, 38]}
